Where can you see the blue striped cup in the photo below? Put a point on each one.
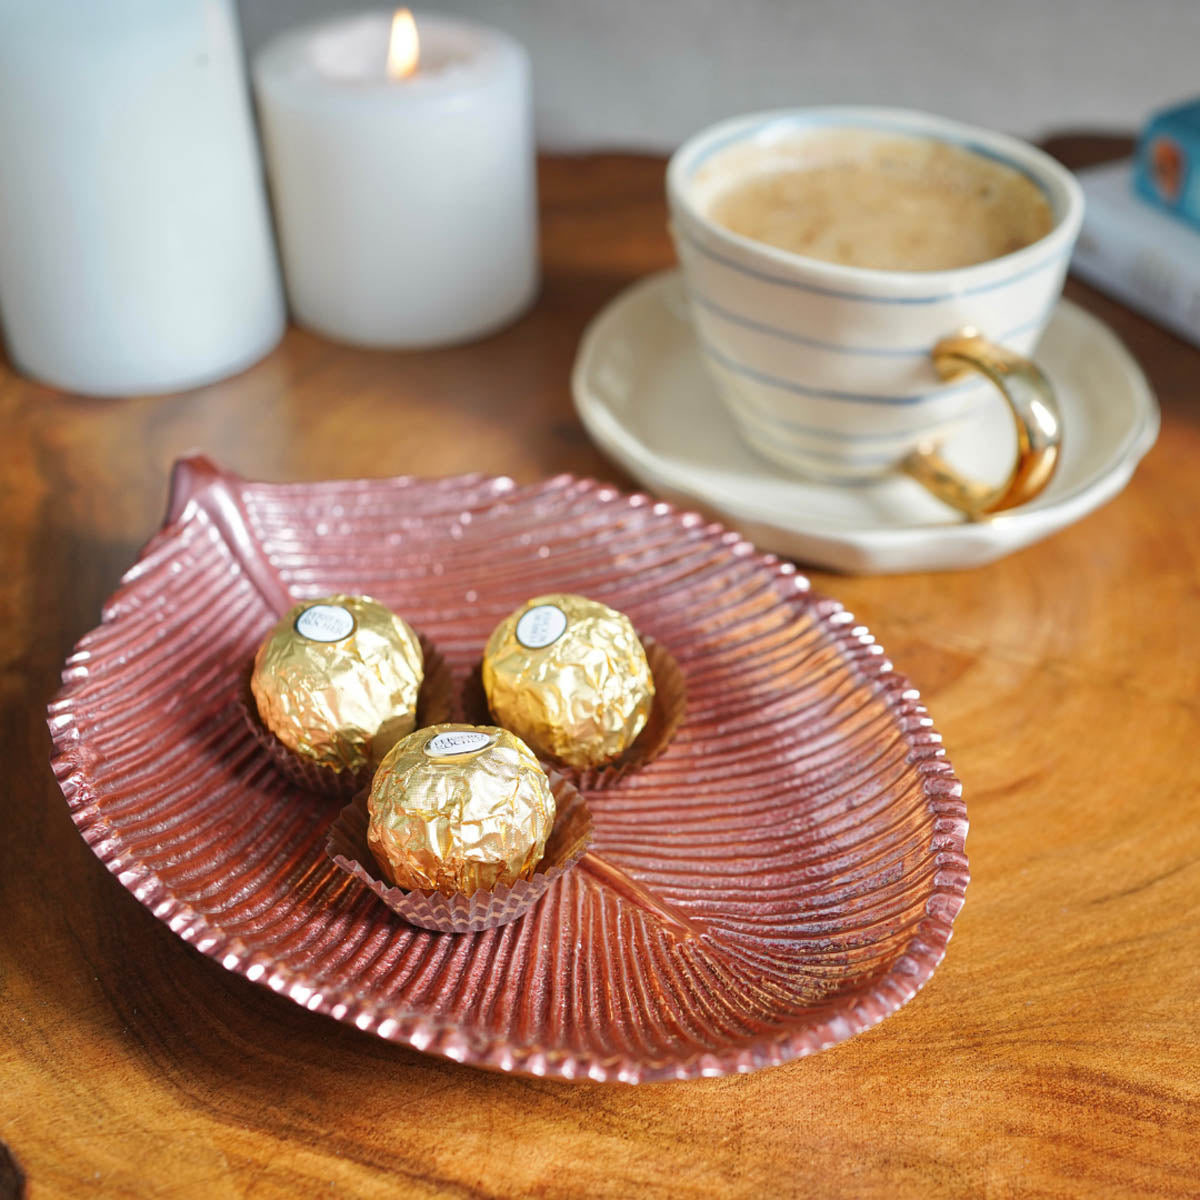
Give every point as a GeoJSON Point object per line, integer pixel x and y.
{"type": "Point", "coordinates": [847, 373]}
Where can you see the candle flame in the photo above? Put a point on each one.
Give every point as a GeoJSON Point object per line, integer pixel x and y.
{"type": "Point", "coordinates": [403, 48]}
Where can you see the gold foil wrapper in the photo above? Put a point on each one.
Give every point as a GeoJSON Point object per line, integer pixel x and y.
{"type": "Point", "coordinates": [570, 676]}
{"type": "Point", "coordinates": [336, 681]}
{"type": "Point", "coordinates": [459, 809]}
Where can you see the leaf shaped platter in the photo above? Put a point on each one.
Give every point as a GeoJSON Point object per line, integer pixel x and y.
{"type": "Point", "coordinates": [782, 877]}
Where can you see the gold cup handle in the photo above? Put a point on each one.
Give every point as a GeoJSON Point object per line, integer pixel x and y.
{"type": "Point", "coordinates": [1039, 428]}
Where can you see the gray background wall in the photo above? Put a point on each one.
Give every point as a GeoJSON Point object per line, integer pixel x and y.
{"type": "Point", "coordinates": [646, 73]}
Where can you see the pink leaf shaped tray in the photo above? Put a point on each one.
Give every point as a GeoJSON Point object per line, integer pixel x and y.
{"type": "Point", "coordinates": [782, 877]}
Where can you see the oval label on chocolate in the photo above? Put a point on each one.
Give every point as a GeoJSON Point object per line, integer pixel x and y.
{"type": "Point", "coordinates": [458, 742]}
{"type": "Point", "coordinates": [325, 623]}
{"type": "Point", "coordinates": [541, 626]}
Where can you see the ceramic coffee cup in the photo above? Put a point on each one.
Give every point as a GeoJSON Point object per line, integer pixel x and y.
{"type": "Point", "coordinates": [847, 373]}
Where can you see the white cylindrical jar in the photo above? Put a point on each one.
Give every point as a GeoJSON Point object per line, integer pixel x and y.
{"type": "Point", "coordinates": [136, 253]}
{"type": "Point", "coordinates": [406, 206]}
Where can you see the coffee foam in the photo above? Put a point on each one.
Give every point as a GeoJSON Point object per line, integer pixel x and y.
{"type": "Point", "coordinates": [869, 199]}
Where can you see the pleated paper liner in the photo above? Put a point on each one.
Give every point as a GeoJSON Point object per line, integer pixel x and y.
{"type": "Point", "coordinates": [569, 839]}
{"type": "Point", "coordinates": [666, 716]}
{"type": "Point", "coordinates": [435, 704]}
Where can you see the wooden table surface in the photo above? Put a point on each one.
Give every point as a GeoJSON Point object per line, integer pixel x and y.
{"type": "Point", "coordinates": [1055, 1052]}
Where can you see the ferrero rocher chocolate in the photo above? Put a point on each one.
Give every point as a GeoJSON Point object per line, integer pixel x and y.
{"type": "Point", "coordinates": [459, 808]}
{"type": "Point", "coordinates": [337, 679]}
{"type": "Point", "coordinates": [569, 675]}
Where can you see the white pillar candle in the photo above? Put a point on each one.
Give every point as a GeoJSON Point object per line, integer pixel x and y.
{"type": "Point", "coordinates": [406, 206]}
{"type": "Point", "coordinates": [135, 240]}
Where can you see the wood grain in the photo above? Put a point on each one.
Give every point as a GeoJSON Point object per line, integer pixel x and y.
{"type": "Point", "coordinates": [1055, 1052]}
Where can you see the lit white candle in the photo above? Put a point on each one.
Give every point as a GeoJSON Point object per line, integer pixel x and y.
{"type": "Point", "coordinates": [403, 183]}
{"type": "Point", "coordinates": [135, 240]}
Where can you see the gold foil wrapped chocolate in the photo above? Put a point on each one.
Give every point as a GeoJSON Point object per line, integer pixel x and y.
{"type": "Point", "coordinates": [459, 808]}
{"type": "Point", "coordinates": [570, 676]}
{"type": "Point", "coordinates": [336, 681]}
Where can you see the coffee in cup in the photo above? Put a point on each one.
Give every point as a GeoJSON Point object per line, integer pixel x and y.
{"type": "Point", "coordinates": [883, 201]}
{"type": "Point", "coordinates": [862, 280]}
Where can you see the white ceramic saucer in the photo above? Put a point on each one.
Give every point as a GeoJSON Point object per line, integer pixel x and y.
{"type": "Point", "coordinates": [644, 395]}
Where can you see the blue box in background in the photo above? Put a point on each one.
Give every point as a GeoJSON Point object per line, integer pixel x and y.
{"type": "Point", "coordinates": [1166, 163]}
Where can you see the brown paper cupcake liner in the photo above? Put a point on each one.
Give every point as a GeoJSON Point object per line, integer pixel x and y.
{"type": "Point", "coordinates": [569, 838]}
{"type": "Point", "coordinates": [666, 716]}
{"type": "Point", "coordinates": [435, 704]}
